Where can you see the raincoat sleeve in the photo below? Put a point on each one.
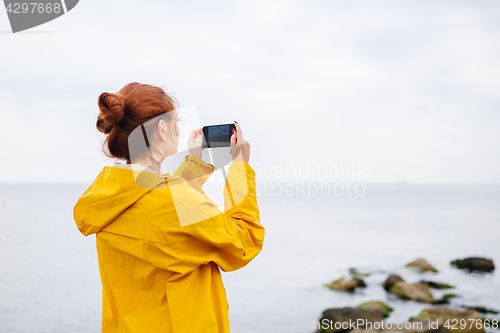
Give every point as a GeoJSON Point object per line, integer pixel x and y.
{"type": "Point", "coordinates": [231, 238]}
{"type": "Point", "coordinates": [195, 171]}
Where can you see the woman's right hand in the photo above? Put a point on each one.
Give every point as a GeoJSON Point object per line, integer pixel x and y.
{"type": "Point", "coordinates": [195, 142]}
{"type": "Point", "coordinates": [240, 148]}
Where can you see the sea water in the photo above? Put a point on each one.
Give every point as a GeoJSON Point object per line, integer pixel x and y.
{"type": "Point", "coordinates": [50, 277]}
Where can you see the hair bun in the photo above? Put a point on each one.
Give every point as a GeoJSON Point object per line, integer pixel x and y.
{"type": "Point", "coordinates": [112, 111]}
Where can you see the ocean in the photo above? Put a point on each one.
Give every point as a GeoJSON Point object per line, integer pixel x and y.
{"type": "Point", "coordinates": [50, 277]}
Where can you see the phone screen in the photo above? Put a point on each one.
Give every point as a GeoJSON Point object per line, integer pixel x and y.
{"type": "Point", "coordinates": [217, 135]}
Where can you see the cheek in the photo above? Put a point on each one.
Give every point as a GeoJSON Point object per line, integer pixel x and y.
{"type": "Point", "coordinates": [175, 133]}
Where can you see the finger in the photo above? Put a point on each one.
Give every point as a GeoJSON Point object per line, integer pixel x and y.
{"type": "Point", "coordinates": [239, 132]}
{"type": "Point", "coordinates": [193, 135]}
{"type": "Point", "coordinates": [199, 139]}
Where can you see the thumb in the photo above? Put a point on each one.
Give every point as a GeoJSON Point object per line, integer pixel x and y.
{"type": "Point", "coordinates": [233, 138]}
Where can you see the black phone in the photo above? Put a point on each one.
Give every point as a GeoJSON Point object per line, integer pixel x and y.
{"type": "Point", "coordinates": [217, 135]}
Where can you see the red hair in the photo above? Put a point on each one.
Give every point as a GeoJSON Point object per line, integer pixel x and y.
{"type": "Point", "coordinates": [130, 107]}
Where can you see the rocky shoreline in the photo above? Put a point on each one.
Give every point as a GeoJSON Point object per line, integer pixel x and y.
{"type": "Point", "coordinates": [369, 317]}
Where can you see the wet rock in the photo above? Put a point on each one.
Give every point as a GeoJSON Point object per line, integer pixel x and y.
{"type": "Point", "coordinates": [444, 315]}
{"type": "Point", "coordinates": [448, 296]}
{"type": "Point", "coordinates": [437, 285]}
{"type": "Point", "coordinates": [360, 282]}
{"type": "Point", "coordinates": [482, 309]}
{"type": "Point", "coordinates": [390, 281]}
{"type": "Point", "coordinates": [334, 319]}
{"type": "Point", "coordinates": [419, 292]}
{"type": "Point", "coordinates": [474, 264]}
{"type": "Point", "coordinates": [355, 272]}
{"type": "Point", "coordinates": [345, 284]}
{"type": "Point", "coordinates": [421, 265]}
{"type": "Point", "coordinates": [445, 299]}
{"type": "Point", "coordinates": [386, 309]}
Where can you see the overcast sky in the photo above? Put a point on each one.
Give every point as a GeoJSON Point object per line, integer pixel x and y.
{"type": "Point", "coordinates": [410, 89]}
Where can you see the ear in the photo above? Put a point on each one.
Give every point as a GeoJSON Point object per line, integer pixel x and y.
{"type": "Point", "coordinates": [162, 130]}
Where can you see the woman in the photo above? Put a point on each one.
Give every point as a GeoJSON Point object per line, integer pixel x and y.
{"type": "Point", "coordinates": [160, 246]}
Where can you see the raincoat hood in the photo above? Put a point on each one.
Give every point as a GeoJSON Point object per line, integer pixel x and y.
{"type": "Point", "coordinates": [113, 191]}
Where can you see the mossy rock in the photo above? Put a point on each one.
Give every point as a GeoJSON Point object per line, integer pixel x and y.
{"type": "Point", "coordinates": [415, 291]}
{"type": "Point", "coordinates": [482, 309]}
{"type": "Point", "coordinates": [438, 285]}
{"type": "Point", "coordinates": [422, 265]}
{"type": "Point", "coordinates": [390, 281]}
{"type": "Point", "coordinates": [344, 284]}
{"type": "Point", "coordinates": [448, 315]}
{"type": "Point", "coordinates": [355, 272]}
{"type": "Point", "coordinates": [386, 309]}
{"type": "Point", "coordinates": [445, 299]}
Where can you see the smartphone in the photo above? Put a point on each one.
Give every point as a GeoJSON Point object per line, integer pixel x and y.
{"type": "Point", "coordinates": [217, 135]}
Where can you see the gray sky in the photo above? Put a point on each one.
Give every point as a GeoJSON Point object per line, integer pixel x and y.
{"type": "Point", "coordinates": [410, 89]}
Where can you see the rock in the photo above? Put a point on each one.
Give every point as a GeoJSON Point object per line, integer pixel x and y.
{"type": "Point", "coordinates": [482, 309]}
{"type": "Point", "coordinates": [386, 309]}
{"type": "Point", "coordinates": [390, 281]}
{"type": "Point", "coordinates": [346, 285]}
{"type": "Point", "coordinates": [447, 296]}
{"type": "Point", "coordinates": [346, 316]}
{"type": "Point", "coordinates": [445, 315]}
{"type": "Point", "coordinates": [421, 265]}
{"type": "Point", "coordinates": [445, 299]}
{"type": "Point", "coordinates": [360, 282]}
{"type": "Point", "coordinates": [355, 272]}
{"type": "Point", "coordinates": [419, 292]}
{"type": "Point", "coordinates": [437, 285]}
{"type": "Point", "coordinates": [474, 264]}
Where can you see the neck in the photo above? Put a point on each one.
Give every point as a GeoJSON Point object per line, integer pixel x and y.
{"type": "Point", "coordinates": [147, 162]}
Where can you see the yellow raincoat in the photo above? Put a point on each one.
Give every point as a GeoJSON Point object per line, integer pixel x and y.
{"type": "Point", "coordinates": [160, 249]}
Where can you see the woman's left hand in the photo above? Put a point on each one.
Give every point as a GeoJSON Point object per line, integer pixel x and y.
{"type": "Point", "coordinates": [195, 142]}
